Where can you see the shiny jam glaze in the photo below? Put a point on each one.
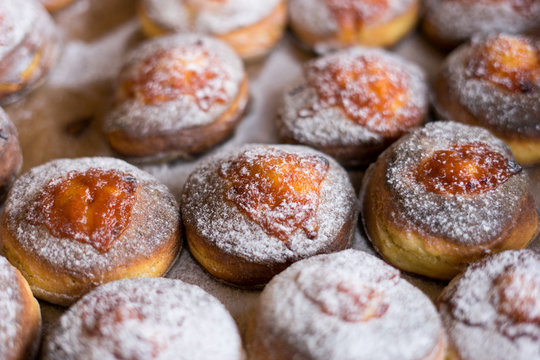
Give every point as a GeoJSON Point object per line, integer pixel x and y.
{"type": "Point", "coordinates": [369, 91]}
{"type": "Point", "coordinates": [277, 190]}
{"type": "Point", "coordinates": [351, 14]}
{"type": "Point", "coordinates": [511, 63]}
{"type": "Point", "coordinates": [519, 296]}
{"type": "Point", "coordinates": [173, 73]}
{"type": "Point", "coordinates": [465, 170]}
{"type": "Point", "coordinates": [93, 207]}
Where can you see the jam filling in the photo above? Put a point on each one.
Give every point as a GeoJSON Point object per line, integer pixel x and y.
{"type": "Point", "coordinates": [277, 190]}
{"type": "Point", "coordinates": [508, 62]}
{"type": "Point", "coordinates": [519, 295]}
{"type": "Point", "coordinates": [93, 207]}
{"type": "Point", "coordinates": [465, 170]}
{"type": "Point", "coordinates": [170, 74]}
{"type": "Point", "coordinates": [371, 93]}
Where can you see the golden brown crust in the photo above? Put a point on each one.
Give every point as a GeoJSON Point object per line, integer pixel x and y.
{"type": "Point", "coordinates": [53, 5]}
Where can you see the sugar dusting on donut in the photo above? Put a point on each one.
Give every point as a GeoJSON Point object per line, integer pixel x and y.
{"type": "Point", "coordinates": [146, 318]}
{"type": "Point", "coordinates": [460, 218]}
{"type": "Point", "coordinates": [16, 19]}
{"type": "Point", "coordinates": [10, 308]}
{"type": "Point", "coordinates": [496, 301]}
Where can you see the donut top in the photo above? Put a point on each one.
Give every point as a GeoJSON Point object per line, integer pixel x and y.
{"type": "Point", "coordinates": [358, 93]}
{"type": "Point", "coordinates": [176, 82]}
{"type": "Point", "coordinates": [472, 189]}
{"type": "Point", "coordinates": [268, 203]}
{"type": "Point", "coordinates": [350, 305]}
{"type": "Point", "coordinates": [11, 307]}
{"type": "Point", "coordinates": [497, 78]}
{"type": "Point", "coordinates": [16, 19]}
{"type": "Point", "coordinates": [499, 296]}
{"type": "Point", "coordinates": [146, 318]}
{"type": "Point", "coordinates": [154, 208]}
{"type": "Point", "coordinates": [208, 16]}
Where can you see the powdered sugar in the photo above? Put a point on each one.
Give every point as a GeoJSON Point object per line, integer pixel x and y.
{"type": "Point", "coordinates": [183, 111]}
{"type": "Point", "coordinates": [406, 326]}
{"type": "Point", "coordinates": [146, 318]}
{"type": "Point", "coordinates": [16, 20]}
{"type": "Point", "coordinates": [463, 219]}
{"type": "Point", "coordinates": [205, 208]}
{"type": "Point", "coordinates": [11, 308]}
{"type": "Point", "coordinates": [496, 301]}
{"type": "Point", "coordinates": [213, 17]}
{"type": "Point", "coordinates": [154, 220]}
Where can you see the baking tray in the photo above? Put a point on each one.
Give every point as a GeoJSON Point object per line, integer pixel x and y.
{"type": "Point", "coordinates": [63, 118]}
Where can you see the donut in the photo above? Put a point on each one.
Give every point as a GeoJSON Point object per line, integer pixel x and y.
{"type": "Point", "coordinates": [447, 23]}
{"type": "Point", "coordinates": [325, 25]}
{"type": "Point", "coordinates": [354, 103]}
{"type": "Point", "coordinates": [491, 311]}
{"type": "Point", "coordinates": [72, 224]}
{"type": "Point", "coordinates": [21, 318]}
{"type": "Point", "coordinates": [347, 305]}
{"type": "Point", "coordinates": [53, 5]}
{"type": "Point", "coordinates": [145, 318]}
{"type": "Point", "coordinates": [29, 47]}
{"type": "Point", "coordinates": [10, 154]}
{"type": "Point", "coordinates": [446, 195]}
{"type": "Point", "coordinates": [251, 211]}
{"type": "Point", "coordinates": [494, 82]}
{"type": "Point", "coordinates": [177, 96]}
{"type": "Point", "coordinates": [251, 28]}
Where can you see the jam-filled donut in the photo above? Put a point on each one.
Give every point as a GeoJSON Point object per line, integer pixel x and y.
{"type": "Point", "coordinates": [10, 154]}
{"type": "Point", "coordinates": [53, 5]}
{"type": "Point", "coordinates": [492, 310]}
{"type": "Point", "coordinates": [251, 28]}
{"type": "Point", "coordinates": [177, 96]}
{"type": "Point", "coordinates": [353, 104]}
{"type": "Point", "coordinates": [444, 196]}
{"type": "Point", "coordinates": [324, 25]}
{"type": "Point", "coordinates": [494, 82]}
{"type": "Point", "coordinates": [344, 306]}
{"type": "Point", "coordinates": [29, 47]}
{"type": "Point", "coordinates": [449, 22]}
{"type": "Point", "coordinates": [252, 211]}
{"type": "Point", "coordinates": [21, 318]}
{"type": "Point", "coordinates": [145, 318]}
{"type": "Point", "coordinates": [71, 225]}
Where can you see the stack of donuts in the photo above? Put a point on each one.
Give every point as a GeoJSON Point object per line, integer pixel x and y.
{"type": "Point", "coordinates": [366, 208]}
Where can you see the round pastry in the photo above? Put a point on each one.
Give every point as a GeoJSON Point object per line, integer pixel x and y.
{"type": "Point", "coordinates": [494, 82]}
{"type": "Point", "coordinates": [53, 5]}
{"type": "Point", "coordinates": [71, 225]}
{"type": "Point", "coordinates": [444, 196]}
{"type": "Point", "coordinates": [492, 311]}
{"type": "Point", "coordinates": [29, 47]}
{"type": "Point", "coordinates": [325, 25]}
{"type": "Point", "coordinates": [21, 318]}
{"type": "Point", "coordinates": [10, 154]}
{"type": "Point", "coordinates": [145, 318]}
{"type": "Point", "coordinates": [251, 28]}
{"type": "Point", "coordinates": [177, 96]}
{"type": "Point", "coordinates": [353, 104]}
{"type": "Point", "coordinates": [449, 22]}
{"type": "Point", "coordinates": [347, 305]}
{"type": "Point", "coordinates": [252, 211]}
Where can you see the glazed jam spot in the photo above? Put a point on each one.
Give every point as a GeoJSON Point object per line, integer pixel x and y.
{"type": "Point", "coordinates": [465, 169]}
{"type": "Point", "coordinates": [277, 190]}
{"type": "Point", "coordinates": [508, 62]}
{"type": "Point", "coordinates": [170, 74]}
{"type": "Point", "coordinates": [351, 14]}
{"type": "Point", "coordinates": [519, 296]}
{"type": "Point", "coordinates": [93, 207]}
{"type": "Point", "coordinates": [371, 92]}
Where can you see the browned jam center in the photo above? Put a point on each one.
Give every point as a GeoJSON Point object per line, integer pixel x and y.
{"type": "Point", "coordinates": [509, 62]}
{"type": "Point", "coordinates": [465, 169]}
{"type": "Point", "coordinates": [371, 92]}
{"type": "Point", "coordinates": [351, 14]}
{"type": "Point", "coordinates": [93, 207]}
{"type": "Point", "coordinates": [170, 74]}
{"type": "Point", "coordinates": [519, 296]}
{"type": "Point", "coordinates": [277, 190]}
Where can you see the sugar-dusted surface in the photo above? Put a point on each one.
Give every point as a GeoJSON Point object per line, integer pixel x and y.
{"type": "Point", "coordinates": [300, 305]}
{"type": "Point", "coordinates": [207, 17]}
{"type": "Point", "coordinates": [477, 316]}
{"type": "Point", "coordinates": [11, 308]}
{"type": "Point", "coordinates": [205, 208]}
{"type": "Point", "coordinates": [146, 318]}
{"type": "Point", "coordinates": [461, 219]}
{"type": "Point", "coordinates": [17, 19]}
